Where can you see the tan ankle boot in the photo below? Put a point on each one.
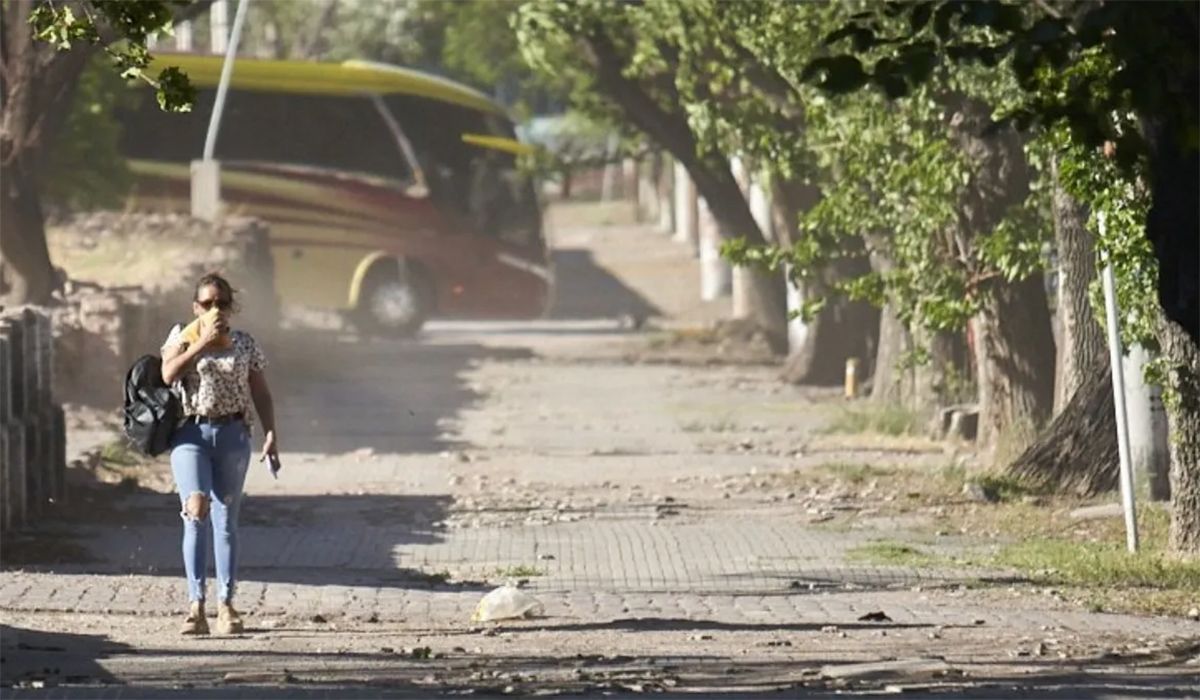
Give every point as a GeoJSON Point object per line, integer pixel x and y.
{"type": "Point", "coordinates": [195, 622]}
{"type": "Point", "coordinates": [228, 620]}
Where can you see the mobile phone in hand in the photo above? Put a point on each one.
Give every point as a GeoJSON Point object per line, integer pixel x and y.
{"type": "Point", "coordinates": [275, 465]}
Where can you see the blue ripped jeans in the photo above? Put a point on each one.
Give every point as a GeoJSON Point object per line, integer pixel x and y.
{"type": "Point", "coordinates": [210, 460]}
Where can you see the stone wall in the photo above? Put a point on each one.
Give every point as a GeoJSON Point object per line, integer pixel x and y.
{"type": "Point", "coordinates": [99, 331]}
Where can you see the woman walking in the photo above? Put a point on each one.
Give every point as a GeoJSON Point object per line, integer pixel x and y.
{"type": "Point", "coordinates": [219, 374]}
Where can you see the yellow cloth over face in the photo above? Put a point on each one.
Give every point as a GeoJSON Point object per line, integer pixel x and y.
{"type": "Point", "coordinates": [191, 334]}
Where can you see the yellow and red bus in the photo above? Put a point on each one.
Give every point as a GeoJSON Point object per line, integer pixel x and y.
{"type": "Point", "coordinates": [390, 194]}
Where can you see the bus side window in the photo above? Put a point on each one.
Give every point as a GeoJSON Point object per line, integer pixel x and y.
{"type": "Point", "coordinates": [338, 133]}
{"type": "Point", "coordinates": [149, 133]}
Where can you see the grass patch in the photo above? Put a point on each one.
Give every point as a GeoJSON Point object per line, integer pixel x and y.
{"type": "Point", "coordinates": [1094, 555]}
{"type": "Point", "coordinates": [1067, 562]}
{"type": "Point", "coordinates": [118, 453]}
{"type": "Point", "coordinates": [1020, 529]}
{"type": "Point", "coordinates": [1026, 530]}
{"type": "Point", "coordinates": [1087, 560]}
{"type": "Point", "coordinates": [884, 420]}
{"type": "Point", "coordinates": [891, 553]}
{"type": "Point", "coordinates": [519, 571]}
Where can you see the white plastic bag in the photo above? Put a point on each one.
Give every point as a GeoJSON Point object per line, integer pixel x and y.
{"type": "Point", "coordinates": [506, 602]}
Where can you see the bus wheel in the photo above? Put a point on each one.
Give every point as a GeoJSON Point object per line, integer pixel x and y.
{"type": "Point", "coordinates": [391, 304]}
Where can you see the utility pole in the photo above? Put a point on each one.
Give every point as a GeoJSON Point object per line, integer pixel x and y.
{"type": "Point", "coordinates": [206, 173]}
{"type": "Point", "coordinates": [1118, 385]}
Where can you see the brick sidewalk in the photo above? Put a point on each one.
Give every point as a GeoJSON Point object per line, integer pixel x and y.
{"type": "Point", "coordinates": [632, 524]}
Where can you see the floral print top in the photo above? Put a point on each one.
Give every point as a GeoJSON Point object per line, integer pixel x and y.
{"type": "Point", "coordinates": [217, 383]}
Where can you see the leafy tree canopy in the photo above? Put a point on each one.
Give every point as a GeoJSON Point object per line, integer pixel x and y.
{"type": "Point", "coordinates": [123, 29]}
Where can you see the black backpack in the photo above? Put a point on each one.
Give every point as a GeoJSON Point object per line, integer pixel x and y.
{"type": "Point", "coordinates": [152, 410]}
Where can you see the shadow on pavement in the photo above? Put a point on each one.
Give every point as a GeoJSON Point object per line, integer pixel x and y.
{"type": "Point", "coordinates": [586, 290]}
{"type": "Point", "coordinates": [335, 396]}
{"type": "Point", "coordinates": [321, 540]}
{"type": "Point", "coordinates": [386, 675]}
{"type": "Point", "coordinates": [35, 656]}
{"type": "Point", "coordinates": [671, 624]}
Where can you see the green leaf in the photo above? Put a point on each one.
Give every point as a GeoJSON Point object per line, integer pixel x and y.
{"type": "Point", "coordinates": [809, 309]}
{"type": "Point", "coordinates": [175, 92]}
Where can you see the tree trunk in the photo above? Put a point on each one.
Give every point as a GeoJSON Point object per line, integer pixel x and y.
{"type": "Point", "coordinates": [889, 380]}
{"type": "Point", "coordinates": [1183, 413]}
{"type": "Point", "coordinates": [843, 328]}
{"type": "Point", "coordinates": [917, 387]}
{"type": "Point", "coordinates": [888, 377]}
{"type": "Point", "coordinates": [37, 87]}
{"type": "Point", "coordinates": [922, 387]}
{"type": "Point", "coordinates": [1077, 452]}
{"type": "Point", "coordinates": [1173, 227]}
{"type": "Point", "coordinates": [1014, 345]}
{"type": "Point", "coordinates": [566, 174]}
{"type": "Point", "coordinates": [766, 303]}
{"type": "Point", "coordinates": [26, 276]}
{"type": "Point", "coordinates": [1015, 352]}
{"type": "Point", "coordinates": [1080, 342]}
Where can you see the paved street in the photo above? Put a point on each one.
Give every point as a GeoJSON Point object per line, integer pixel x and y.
{"type": "Point", "coordinates": [623, 495]}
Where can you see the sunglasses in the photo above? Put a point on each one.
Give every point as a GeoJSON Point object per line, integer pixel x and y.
{"type": "Point", "coordinates": [206, 304]}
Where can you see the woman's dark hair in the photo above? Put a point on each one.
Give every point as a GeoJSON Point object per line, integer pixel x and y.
{"type": "Point", "coordinates": [214, 279]}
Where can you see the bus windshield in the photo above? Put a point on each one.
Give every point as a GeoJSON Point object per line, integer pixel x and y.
{"type": "Point", "coordinates": [481, 186]}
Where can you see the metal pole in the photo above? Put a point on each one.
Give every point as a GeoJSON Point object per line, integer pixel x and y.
{"type": "Point", "coordinates": [1118, 383]}
{"type": "Point", "coordinates": [214, 122]}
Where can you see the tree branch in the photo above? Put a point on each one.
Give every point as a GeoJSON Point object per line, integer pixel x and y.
{"type": "Point", "coordinates": [669, 128]}
{"type": "Point", "coordinates": [775, 88]}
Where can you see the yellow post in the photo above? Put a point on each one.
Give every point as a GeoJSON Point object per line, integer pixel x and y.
{"type": "Point", "coordinates": [852, 378]}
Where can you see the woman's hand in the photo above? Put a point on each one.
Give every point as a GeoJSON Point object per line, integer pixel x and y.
{"type": "Point", "coordinates": [270, 451]}
{"type": "Point", "coordinates": [212, 332]}
{"type": "Point", "coordinates": [261, 394]}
